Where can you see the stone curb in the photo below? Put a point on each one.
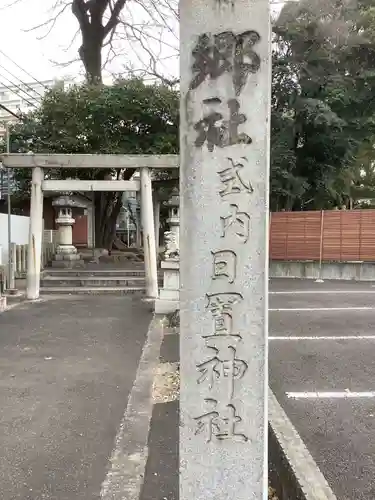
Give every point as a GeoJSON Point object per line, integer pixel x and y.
{"type": "Point", "coordinates": [124, 478]}
{"type": "Point", "coordinates": [292, 470]}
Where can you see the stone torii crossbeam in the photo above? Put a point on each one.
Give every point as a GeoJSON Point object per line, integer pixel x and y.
{"type": "Point", "coordinates": [39, 162]}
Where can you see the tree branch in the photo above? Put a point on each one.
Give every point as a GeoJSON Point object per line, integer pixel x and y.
{"type": "Point", "coordinates": [114, 17]}
{"type": "Point", "coordinates": [80, 9]}
{"type": "Point", "coordinates": [50, 23]}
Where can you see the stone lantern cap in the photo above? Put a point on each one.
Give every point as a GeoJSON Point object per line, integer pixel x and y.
{"type": "Point", "coordinates": [67, 201]}
{"type": "Point", "coordinates": [174, 200]}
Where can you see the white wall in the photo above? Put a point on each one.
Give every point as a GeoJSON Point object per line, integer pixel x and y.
{"type": "Point", "coordinates": [20, 233]}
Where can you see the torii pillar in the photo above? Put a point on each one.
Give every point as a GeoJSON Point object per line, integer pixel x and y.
{"type": "Point", "coordinates": [149, 247]}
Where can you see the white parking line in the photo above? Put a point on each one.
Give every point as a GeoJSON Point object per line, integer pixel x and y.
{"type": "Point", "coordinates": [326, 337]}
{"type": "Point", "coordinates": [303, 309]}
{"type": "Point", "coordinates": [330, 395]}
{"type": "Point", "coordinates": [319, 292]}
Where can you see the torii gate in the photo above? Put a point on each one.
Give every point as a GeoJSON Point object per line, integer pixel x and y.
{"type": "Point", "coordinates": [38, 162]}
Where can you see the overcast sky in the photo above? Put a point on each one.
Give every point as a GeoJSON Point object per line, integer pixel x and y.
{"type": "Point", "coordinates": [36, 55]}
{"type": "Point", "coordinates": [25, 49]}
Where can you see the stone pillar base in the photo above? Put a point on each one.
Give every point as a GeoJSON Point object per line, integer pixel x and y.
{"type": "Point", "coordinates": [68, 261]}
{"type": "Point", "coordinates": [66, 250]}
{"type": "Point", "coordinates": [3, 303]}
{"type": "Point", "coordinates": [169, 296]}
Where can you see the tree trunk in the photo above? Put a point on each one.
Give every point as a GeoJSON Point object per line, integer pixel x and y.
{"type": "Point", "coordinates": [90, 16]}
{"type": "Point", "coordinates": [90, 53]}
{"type": "Point", "coordinates": [107, 209]}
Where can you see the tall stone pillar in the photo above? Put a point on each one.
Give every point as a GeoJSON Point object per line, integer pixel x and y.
{"type": "Point", "coordinates": [224, 176]}
{"type": "Point", "coordinates": [156, 203]}
{"type": "Point", "coordinates": [34, 254]}
{"type": "Point", "coordinates": [147, 217]}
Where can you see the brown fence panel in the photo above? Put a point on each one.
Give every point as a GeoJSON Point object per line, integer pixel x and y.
{"type": "Point", "coordinates": [350, 235]}
{"type": "Point", "coordinates": [279, 235]}
{"type": "Point", "coordinates": [367, 242]}
{"type": "Point", "coordinates": [295, 235]}
{"type": "Point", "coordinates": [332, 235]}
{"type": "Point", "coordinates": [347, 235]}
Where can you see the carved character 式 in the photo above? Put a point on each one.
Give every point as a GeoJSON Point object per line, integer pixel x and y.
{"type": "Point", "coordinates": [221, 307]}
{"type": "Point", "coordinates": [221, 134]}
{"type": "Point", "coordinates": [232, 179]}
{"type": "Point", "coordinates": [220, 427]}
{"type": "Point", "coordinates": [224, 265]}
{"type": "Point", "coordinates": [240, 222]}
{"type": "Point", "coordinates": [229, 367]}
{"type": "Point", "coordinates": [225, 53]}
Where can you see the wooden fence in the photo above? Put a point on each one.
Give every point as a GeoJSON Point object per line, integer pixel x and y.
{"type": "Point", "coordinates": [19, 260]}
{"type": "Point", "coordinates": [329, 235]}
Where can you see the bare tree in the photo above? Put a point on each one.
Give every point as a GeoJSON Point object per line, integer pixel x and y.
{"type": "Point", "coordinates": [98, 21]}
{"type": "Point", "coordinates": [141, 33]}
{"type": "Point", "coordinates": [149, 28]}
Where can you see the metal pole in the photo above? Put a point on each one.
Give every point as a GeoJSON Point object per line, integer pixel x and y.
{"type": "Point", "coordinates": [10, 263]}
{"type": "Point", "coordinates": [92, 222]}
{"type": "Point", "coordinates": [320, 280]}
{"type": "Point", "coordinates": [127, 228]}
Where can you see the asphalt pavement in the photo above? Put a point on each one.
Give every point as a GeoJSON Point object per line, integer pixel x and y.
{"type": "Point", "coordinates": [67, 367]}
{"type": "Point", "coordinates": [322, 370]}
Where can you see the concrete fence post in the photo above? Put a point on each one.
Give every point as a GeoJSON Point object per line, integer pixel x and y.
{"type": "Point", "coordinates": [12, 274]}
{"type": "Point", "coordinates": [24, 258]}
{"type": "Point", "coordinates": [18, 261]}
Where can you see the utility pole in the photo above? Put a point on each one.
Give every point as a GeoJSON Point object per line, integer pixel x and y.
{"type": "Point", "coordinates": [11, 284]}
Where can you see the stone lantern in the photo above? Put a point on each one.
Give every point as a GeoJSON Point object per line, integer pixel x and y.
{"type": "Point", "coordinates": [169, 296]}
{"type": "Point", "coordinates": [172, 237]}
{"type": "Point", "coordinates": [66, 252]}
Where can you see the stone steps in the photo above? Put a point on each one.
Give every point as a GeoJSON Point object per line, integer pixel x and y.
{"type": "Point", "coordinates": [92, 290]}
{"type": "Point", "coordinates": [94, 272]}
{"type": "Point", "coordinates": [93, 281]}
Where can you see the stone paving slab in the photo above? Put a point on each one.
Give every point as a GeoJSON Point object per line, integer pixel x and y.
{"type": "Point", "coordinates": [170, 349]}
{"type": "Point", "coordinates": [67, 367]}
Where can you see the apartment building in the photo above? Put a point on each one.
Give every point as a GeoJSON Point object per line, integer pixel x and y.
{"type": "Point", "coordinates": [18, 98]}
{"type": "Point", "coordinates": [21, 98]}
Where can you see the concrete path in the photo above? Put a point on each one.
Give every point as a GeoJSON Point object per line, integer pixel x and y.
{"type": "Point", "coordinates": [322, 370]}
{"type": "Point", "coordinates": [67, 368]}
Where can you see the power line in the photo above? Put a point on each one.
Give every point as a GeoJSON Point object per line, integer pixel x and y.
{"type": "Point", "coordinates": [23, 83]}
{"type": "Point", "coordinates": [10, 112]}
{"type": "Point", "coordinates": [12, 90]}
{"type": "Point", "coordinates": [18, 87]}
{"type": "Point", "coordinates": [22, 69]}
